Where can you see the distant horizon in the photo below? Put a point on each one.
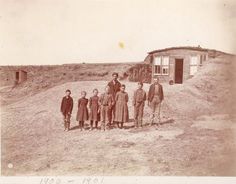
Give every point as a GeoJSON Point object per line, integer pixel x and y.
{"type": "Point", "coordinates": [59, 32]}
{"type": "Point", "coordinates": [111, 62]}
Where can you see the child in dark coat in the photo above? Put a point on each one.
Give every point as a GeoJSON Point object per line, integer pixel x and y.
{"type": "Point", "coordinates": [82, 114]}
{"type": "Point", "coordinates": [66, 109]}
{"type": "Point", "coordinates": [94, 109]}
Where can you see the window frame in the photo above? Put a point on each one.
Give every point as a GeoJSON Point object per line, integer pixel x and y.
{"type": "Point", "coordinates": [156, 65]}
{"type": "Point", "coordinates": [201, 60]}
{"type": "Point", "coordinates": [193, 65]}
{"type": "Point", "coordinates": [156, 68]}
{"type": "Point", "coordinates": [166, 66]}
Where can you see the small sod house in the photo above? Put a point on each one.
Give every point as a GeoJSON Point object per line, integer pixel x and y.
{"type": "Point", "coordinates": [176, 64]}
{"type": "Point", "coordinates": [20, 76]}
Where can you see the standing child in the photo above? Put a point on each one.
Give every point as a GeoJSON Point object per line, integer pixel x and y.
{"type": "Point", "coordinates": [121, 107]}
{"type": "Point", "coordinates": [138, 103]}
{"type": "Point", "coordinates": [105, 101]}
{"type": "Point", "coordinates": [82, 114]}
{"type": "Point", "coordinates": [94, 109]}
{"type": "Point", "coordinates": [66, 109]}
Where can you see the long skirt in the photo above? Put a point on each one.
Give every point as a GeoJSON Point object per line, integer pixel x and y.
{"type": "Point", "coordinates": [121, 112]}
{"type": "Point", "coordinates": [94, 115]}
{"type": "Point", "coordinates": [82, 114]}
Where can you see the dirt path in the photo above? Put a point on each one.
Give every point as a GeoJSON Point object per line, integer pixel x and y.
{"type": "Point", "coordinates": [195, 138]}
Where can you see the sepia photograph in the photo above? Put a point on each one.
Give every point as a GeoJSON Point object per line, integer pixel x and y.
{"type": "Point", "coordinates": [118, 88]}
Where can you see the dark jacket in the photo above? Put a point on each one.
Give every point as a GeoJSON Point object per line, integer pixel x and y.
{"type": "Point", "coordinates": [152, 91]}
{"type": "Point", "coordinates": [114, 88]}
{"type": "Point", "coordinates": [66, 105]}
{"type": "Point", "coordinates": [139, 96]}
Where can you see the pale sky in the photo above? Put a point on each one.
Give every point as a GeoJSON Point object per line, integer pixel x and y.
{"type": "Point", "coordinates": [75, 31]}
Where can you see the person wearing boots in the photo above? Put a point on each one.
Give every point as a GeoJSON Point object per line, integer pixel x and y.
{"type": "Point", "coordinates": [66, 109]}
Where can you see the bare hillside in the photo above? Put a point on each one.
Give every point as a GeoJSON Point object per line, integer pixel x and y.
{"type": "Point", "coordinates": [196, 136]}
{"type": "Point", "coordinates": [41, 78]}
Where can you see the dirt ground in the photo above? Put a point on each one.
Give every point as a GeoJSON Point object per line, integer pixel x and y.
{"type": "Point", "coordinates": [197, 135]}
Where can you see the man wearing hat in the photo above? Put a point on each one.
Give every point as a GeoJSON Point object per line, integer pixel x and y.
{"type": "Point", "coordinates": [114, 86]}
{"type": "Point", "coordinates": [155, 97]}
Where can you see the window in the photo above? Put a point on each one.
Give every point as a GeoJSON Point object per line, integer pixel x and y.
{"type": "Point", "coordinates": [157, 69]}
{"type": "Point", "coordinates": [165, 60]}
{"type": "Point", "coordinates": [204, 58]}
{"type": "Point", "coordinates": [165, 65]}
{"type": "Point", "coordinates": [17, 75]}
{"type": "Point", "coordinates": [201, 59]}
{"type": "Point", "coordinates": [157, 65]}
{"type": "Point", "coordinates": [165, 70]}
{"type": "Point", "coordinates": [193, 60]}
{"type": "Point", "coordinates": [157, 61]}
{"type": "Point", "coordinates": [161, 65]}
{"type": "Point", "coordinates": [193, 65]}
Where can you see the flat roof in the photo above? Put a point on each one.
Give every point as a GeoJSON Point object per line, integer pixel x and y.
{"type": "Point", "coordinates": [176, 48]}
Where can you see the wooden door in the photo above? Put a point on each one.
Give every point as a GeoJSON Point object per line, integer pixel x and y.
{"type": "Point", "coordinates": [179, 71]}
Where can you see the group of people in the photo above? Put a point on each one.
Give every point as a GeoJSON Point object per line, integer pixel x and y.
{"type": "Point", "coordinates": [111, 106]}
